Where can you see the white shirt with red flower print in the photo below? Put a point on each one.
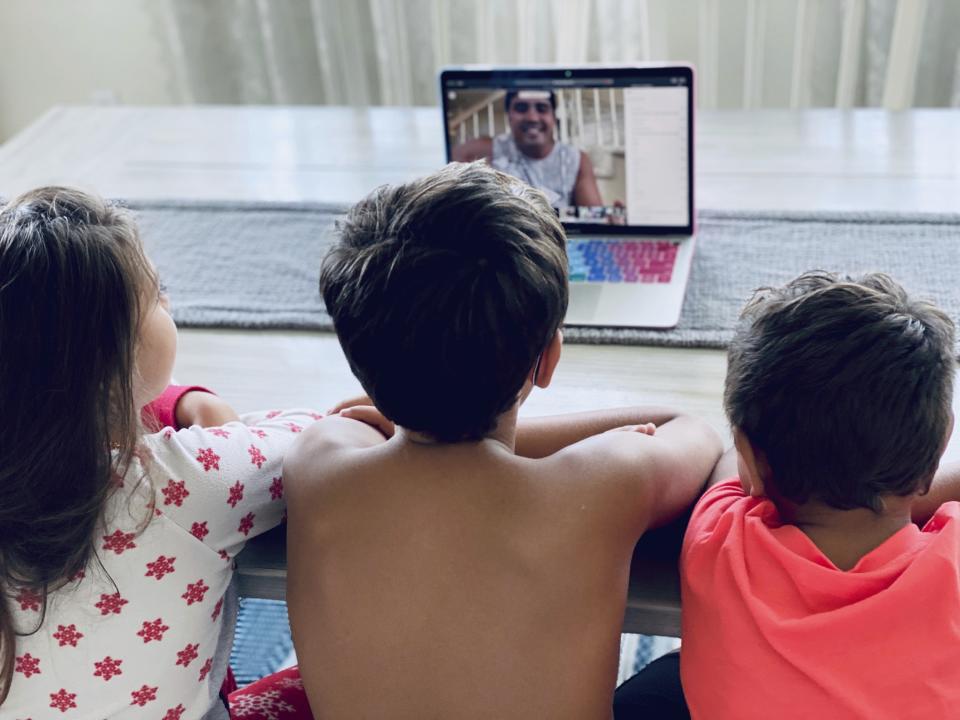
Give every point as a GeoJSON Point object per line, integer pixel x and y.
{"type": "Point", "coordinates": [136, 634]}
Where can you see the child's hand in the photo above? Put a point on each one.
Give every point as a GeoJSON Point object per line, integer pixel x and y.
{"type": "Point", "coordinates": [203, 409]}
{"type": "Point", "coordinates": [644, 429]}
{"type": "Point", "coordinates": [350, 402]}
{"type": "Point", "coordinates": [371, 416]}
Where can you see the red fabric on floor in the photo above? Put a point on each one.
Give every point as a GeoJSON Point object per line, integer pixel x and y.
{"type": "Point", "coordinates": [276, 697]}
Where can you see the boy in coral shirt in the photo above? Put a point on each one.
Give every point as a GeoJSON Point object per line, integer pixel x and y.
{"type": "Point", "coordinates": [810, 590]}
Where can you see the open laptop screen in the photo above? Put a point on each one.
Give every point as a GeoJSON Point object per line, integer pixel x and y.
{"type": "Point", "coordinates": [610, 147]}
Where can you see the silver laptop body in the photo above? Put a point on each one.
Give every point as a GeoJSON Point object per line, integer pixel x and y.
{"type": "Point", "coordinates": [612, 148]}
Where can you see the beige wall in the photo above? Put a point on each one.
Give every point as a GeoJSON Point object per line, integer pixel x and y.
{"type": "Point", "coordinates": [77, 52]}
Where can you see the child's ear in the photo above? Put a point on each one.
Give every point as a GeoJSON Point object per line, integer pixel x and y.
{"type": "Point", "coordinates": [752, 463]}
{"type": "Point", "coordinates": [948, 434]}
{"type": "Point", "coordinates": [542, 372]}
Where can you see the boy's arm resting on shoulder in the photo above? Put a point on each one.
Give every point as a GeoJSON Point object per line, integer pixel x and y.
{"type": "Point", "coordinates": [538, 437]}
{"type": "Point", "coordinates": [944, 488]}
{"type": "Point", "coordinates": [687, 450]}
{"type": "Point", "coordinates": [725, 468]}
{"type": "Point", "coordinates": [657, 477]}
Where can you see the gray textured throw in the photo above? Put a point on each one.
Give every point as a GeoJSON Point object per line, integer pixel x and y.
{"type": "Point", "coordinates": [248, 265]}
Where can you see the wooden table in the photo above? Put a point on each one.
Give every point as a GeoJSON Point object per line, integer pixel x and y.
{"type": "Point", "coordinates": [746, 160]}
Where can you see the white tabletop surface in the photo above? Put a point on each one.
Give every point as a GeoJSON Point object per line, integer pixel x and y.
{"type": "Point", "coordinates": [772, 159]}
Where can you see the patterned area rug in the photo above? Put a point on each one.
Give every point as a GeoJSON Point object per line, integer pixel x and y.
{"type": "Point", "coordinates": [261, 641]}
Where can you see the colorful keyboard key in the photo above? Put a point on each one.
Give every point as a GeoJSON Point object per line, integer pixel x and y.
{"type": "Point", "coordinates": [649, 261]}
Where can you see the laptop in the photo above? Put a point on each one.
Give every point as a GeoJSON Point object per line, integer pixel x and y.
{"type": "Point", "coordinates": [612, 148]}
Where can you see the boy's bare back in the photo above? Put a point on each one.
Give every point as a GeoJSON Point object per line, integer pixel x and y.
{"type": "Point", "coordinates": [462, 580]}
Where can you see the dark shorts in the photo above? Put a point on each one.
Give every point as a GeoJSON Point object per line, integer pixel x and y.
{"type": "Point", "coordinates": [654, 692]}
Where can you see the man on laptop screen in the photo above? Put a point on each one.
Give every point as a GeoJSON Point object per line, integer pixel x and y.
{"type": "Point", "coordinates": [530, 150]}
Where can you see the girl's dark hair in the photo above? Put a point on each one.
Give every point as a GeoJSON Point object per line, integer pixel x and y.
{"type": "Point", "coordinates": [72, 278]}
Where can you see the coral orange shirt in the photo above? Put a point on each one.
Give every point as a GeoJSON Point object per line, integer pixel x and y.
{"type": "Point", "coordinates": [773, 629]}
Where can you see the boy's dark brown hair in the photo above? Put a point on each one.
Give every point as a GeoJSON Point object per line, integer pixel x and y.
{"type": "Point", "coordinates": [444, 292]}
{"type": "Point", "coordinates": [845, 386]}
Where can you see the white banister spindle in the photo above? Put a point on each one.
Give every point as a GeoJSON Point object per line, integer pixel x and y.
{"type": "Point", "coordinates": [904, 54]}
{"type": "Point", "coordinates": [804, 36]}
{"type": "Point", "coordinates": [490, 128]}
{"type": "Point", "coordinates": [476, 124]}
{"type": "Point", "coordinates": [851, 44]}
{"type": "Point", "coordinates": [578, 100]}
{"type": "Point", "coordinates": [563, 117]}
{"type": "Point", "coordinates": [708, 73]}
{"type": "Point", "coordinates": [596, 116]}
{"type": "Point", "coordinates": [613, 117]}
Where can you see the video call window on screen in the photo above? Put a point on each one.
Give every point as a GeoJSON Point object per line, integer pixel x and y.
{"type": "Point", "coordinates": [604, 151]}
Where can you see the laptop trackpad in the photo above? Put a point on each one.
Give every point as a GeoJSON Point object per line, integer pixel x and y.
{"type": "Point", "coordinates": [625, 304]}
{"type": "Point", "coordinates": [584, 301]}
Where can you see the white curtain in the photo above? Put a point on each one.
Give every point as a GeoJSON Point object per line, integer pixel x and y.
{"type": "Point", "coordinates": [363, 52]}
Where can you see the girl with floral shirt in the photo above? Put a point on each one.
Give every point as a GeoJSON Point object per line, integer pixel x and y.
{"type": "Point", "coordinates": [116, 546]}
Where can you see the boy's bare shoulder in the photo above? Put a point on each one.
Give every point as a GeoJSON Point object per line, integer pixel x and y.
{"type": "Point", "coordinates": [615, 470]}
{"type": "Point", "coordinates": [642, 479]}
{"type": "Point", "coordinates": [327, 449]}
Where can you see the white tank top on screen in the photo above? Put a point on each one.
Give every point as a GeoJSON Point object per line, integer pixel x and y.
{"type": "Point", "coordinates": [555, 175]}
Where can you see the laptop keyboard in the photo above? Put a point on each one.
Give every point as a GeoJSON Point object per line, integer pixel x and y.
{"type": "Point", "coordinates": [621, 260]}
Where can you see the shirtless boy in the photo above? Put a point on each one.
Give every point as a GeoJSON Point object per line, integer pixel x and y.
{"type": "Point", "coordinates": [469, 566]}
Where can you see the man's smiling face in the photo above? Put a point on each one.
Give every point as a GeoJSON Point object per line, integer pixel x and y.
{"type": "Point", "coordinates": [532, 122]}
